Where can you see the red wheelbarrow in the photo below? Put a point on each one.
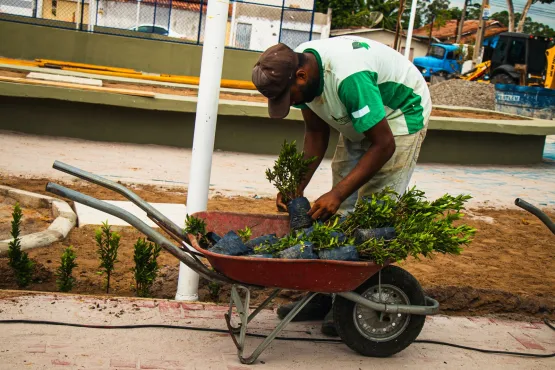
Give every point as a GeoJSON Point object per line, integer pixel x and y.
{"type": "Point", "coordinates": [378, 310]}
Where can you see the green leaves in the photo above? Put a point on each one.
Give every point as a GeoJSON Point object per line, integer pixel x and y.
{"type": "Point", "coordinates": [245, 234]}
{"type": "Point", "coordinates": [146, 266]}
{"type": "Point", "coordinates": [65, 280]}
{"type": "Point", "coordinates": [289, 171]}
{"type": "Point", "coordinates": [19, 260]}
{"type": "Point", "coordinates": [196, 226]}
{"type": "Point", "coordinates": [422, 227]}
{"type": "Point", "coordinates": [108, 245]}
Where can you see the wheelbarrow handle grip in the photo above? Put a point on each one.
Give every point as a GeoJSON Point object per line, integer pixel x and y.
{"type": "Point", "coordinates": [536, 212]}
{"type": "Point", "coordinates": [153, 235]}
{"type": "Point", "coordinates": [118, 188]}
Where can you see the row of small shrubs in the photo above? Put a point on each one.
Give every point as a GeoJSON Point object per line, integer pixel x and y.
{"type": "Point", "coordinates": [145, 256]}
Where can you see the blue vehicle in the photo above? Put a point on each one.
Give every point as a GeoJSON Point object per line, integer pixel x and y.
{"type": "Point", "coordinates": [441, 60]}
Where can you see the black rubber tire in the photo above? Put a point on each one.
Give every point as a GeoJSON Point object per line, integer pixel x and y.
{"type": "Point", "coordinates": [346, 327]}
{"type": "Point", "coordinates": [503, 78]}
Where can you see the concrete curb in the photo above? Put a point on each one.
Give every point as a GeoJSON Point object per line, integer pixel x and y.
{"type": "Point", "coordinates": [65, 219]}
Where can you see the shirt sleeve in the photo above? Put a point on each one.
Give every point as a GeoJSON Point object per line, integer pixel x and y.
{"type": "Point", "coordinates": [361, 96]}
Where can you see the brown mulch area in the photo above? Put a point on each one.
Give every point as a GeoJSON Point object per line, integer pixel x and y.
{"type": "Point", "coordinates": [509, 269]}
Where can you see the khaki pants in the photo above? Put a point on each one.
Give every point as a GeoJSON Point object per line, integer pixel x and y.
{"type": "Point", "coordinates": [396, 173]}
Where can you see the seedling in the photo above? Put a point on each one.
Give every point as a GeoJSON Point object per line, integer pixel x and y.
{"type": "Point", "coordinates": [65, 280]}
{"type": "Point", "coordinates": [146, 266]}
{"type": "Point", "coordinates": [422, 227]}
{"type": "Point", "coordinates": [108, 245]}
{"type": "Point", "coordinates": [19, 260]}
{"type": "Point", "coordinates": [289, 171]}
{"type": "Point", "coordinates": [245, 234]}
{"type": "Point", "coordinates": [196, 226]}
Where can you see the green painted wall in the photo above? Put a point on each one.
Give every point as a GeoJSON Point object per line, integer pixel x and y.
{"type": "Point", "coordinates": [27, 41]}
{"type": "Point", "coordinates": [256, 135]}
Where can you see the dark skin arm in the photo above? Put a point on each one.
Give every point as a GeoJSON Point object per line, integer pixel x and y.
{"type": "Point", "coordinates": [316, 139]}
{"type": "Point", "coordinates": [381, 150]}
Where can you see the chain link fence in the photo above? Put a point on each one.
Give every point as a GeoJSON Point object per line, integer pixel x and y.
{"type": "Point", "coordinates": [252, 25]}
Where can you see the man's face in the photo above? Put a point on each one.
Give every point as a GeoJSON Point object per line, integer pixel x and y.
{"type": "Point", "coordinates": [304, 89]}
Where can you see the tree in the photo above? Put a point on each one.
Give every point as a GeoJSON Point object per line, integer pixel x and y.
{"type": "Point", "coordinates": [420, 11]}
{"type": "Point", "coordinates": [527, 6]}
{"type": "Point", "coordinates": [534, 28]}
{"type": "Point", "coordinates": [511, 16]}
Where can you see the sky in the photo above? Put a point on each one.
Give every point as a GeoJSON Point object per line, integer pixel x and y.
{"type": "Point", "coordinates": [542, 13]}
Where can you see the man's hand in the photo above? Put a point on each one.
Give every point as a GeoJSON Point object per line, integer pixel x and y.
{"type": "Point", "coordinates": [282, 207]}
{"type": "Point", "coordinates": [325, 206]}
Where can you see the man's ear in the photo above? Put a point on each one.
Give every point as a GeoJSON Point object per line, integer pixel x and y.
{"type": "Point", "coordinates": [302, 75]}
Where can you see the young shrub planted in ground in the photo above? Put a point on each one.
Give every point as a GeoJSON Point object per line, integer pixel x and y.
{"type": "Point", "coordinates": [19, 260]}
{"type": "Point", "coordinates": [108, 245]}
{"type": "Point", "coordinates": [65, 280]}
{"type": "Point", "coordinates": [146, 266]}
{"type": "Point", "coordinates": [288, 172]}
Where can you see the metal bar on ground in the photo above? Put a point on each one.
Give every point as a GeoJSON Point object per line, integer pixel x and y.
{"type": "Point", "coordinates": [205, 128]}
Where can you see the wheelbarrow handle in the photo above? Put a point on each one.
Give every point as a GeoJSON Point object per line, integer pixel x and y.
{"type": "Point", "coordinates": [133, 220]}
{"type": "Point", "coordinates": [536, 212]}
{"type": "Point", "coordinates": [118, 188]}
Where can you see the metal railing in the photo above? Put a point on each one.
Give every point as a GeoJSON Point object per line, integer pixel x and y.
{"type": "Point", "coordinates": [252, 25]}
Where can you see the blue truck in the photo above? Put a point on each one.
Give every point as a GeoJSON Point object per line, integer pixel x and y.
{"type": "Point", "coordinates": [441, 60]}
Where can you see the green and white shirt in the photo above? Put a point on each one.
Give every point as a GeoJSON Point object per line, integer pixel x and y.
{"type": "Point", "coordinates": [361, 82]}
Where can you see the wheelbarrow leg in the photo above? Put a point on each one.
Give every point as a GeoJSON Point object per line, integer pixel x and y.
{"type": "Point", "coordinates": [242, 310]}
{"type": "Point", "coordinates": [237, 329]}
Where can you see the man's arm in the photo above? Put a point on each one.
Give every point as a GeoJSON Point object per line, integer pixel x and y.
{"type": "Point", "coordinates": [381, 150]}
{"type": "Point", "coordinates": [362, 98]}
{"type": "Point", "coordinates": [316, 139]}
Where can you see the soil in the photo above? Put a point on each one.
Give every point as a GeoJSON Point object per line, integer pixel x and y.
{"type": "Point", "coordinates": [445, 93]}
{"type": "Point", "coordinates": [438, 112]}
{"type": "Point", "coordinates": [34, 220]}
{"type": "Point", "coordinates": [509, 269]}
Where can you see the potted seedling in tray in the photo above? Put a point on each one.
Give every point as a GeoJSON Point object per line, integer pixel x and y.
{"type": "Point", "coordinates": [287, 174]}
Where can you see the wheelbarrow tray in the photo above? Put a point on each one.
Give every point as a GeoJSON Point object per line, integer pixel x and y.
{"type": "Point", "coordinates": [324, 276]}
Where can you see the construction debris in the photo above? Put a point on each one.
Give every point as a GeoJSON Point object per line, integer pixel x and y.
{"type": "Point", "coordinates": [463, 94]}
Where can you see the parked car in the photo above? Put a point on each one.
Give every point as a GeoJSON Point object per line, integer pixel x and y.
{"type": "Point", "coordinates": [158, 30]}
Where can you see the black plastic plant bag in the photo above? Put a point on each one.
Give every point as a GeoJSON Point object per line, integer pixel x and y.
{"type": "Point", "coordinates": [270, 239]}
{"type": "Point", "coordinates": [362, 235]}
{"type": "Point", "coordinates": [231, 244]}
{"type": "Point", "coordinates": [298, 217]}
{"type": "Point", "coordinates": [345, 253]}
{"type": "Point", "coordinates": [300, 251]}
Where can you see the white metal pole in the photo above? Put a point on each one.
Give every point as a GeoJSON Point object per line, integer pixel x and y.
{"type": "Point", "coordinates": [92, 14]}
{"type": "Point", "coordinates": [78, 14]}
{"type": "Point", "coordinates": [138, 16]}
{"type": "Point", "coordinates": [411, 26]}
{"type": "Point", "coordinates": [205, 128]}
{"type": "Point", "coordinates": [231, 41]}
{"type": "Point", "coordinates": [39, 9]}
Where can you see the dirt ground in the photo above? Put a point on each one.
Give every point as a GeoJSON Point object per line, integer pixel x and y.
{"type": "Point", "coordinates": [508, 270]}
{"type": "Point", "coordinates": [33, 220]}
{"type": "Point", "coordinates": [258, 98]}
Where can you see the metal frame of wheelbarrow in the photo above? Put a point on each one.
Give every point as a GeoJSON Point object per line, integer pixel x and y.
{"type": "Point", "coordinates": [189, 255]}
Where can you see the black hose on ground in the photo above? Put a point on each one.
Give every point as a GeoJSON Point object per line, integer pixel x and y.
{"type": "Point", "coordinates": [320, 340]}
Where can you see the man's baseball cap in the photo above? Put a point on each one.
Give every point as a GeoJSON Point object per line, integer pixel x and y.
{"type": "Point", "coordinates": [273, 75]}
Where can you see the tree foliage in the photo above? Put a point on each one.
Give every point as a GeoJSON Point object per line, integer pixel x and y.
{"type": "Point", "coordinates": [531, 27]}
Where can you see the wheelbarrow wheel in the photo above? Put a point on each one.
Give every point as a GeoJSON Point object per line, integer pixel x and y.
{"type": "Point", "coordinates": [376, 334]}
